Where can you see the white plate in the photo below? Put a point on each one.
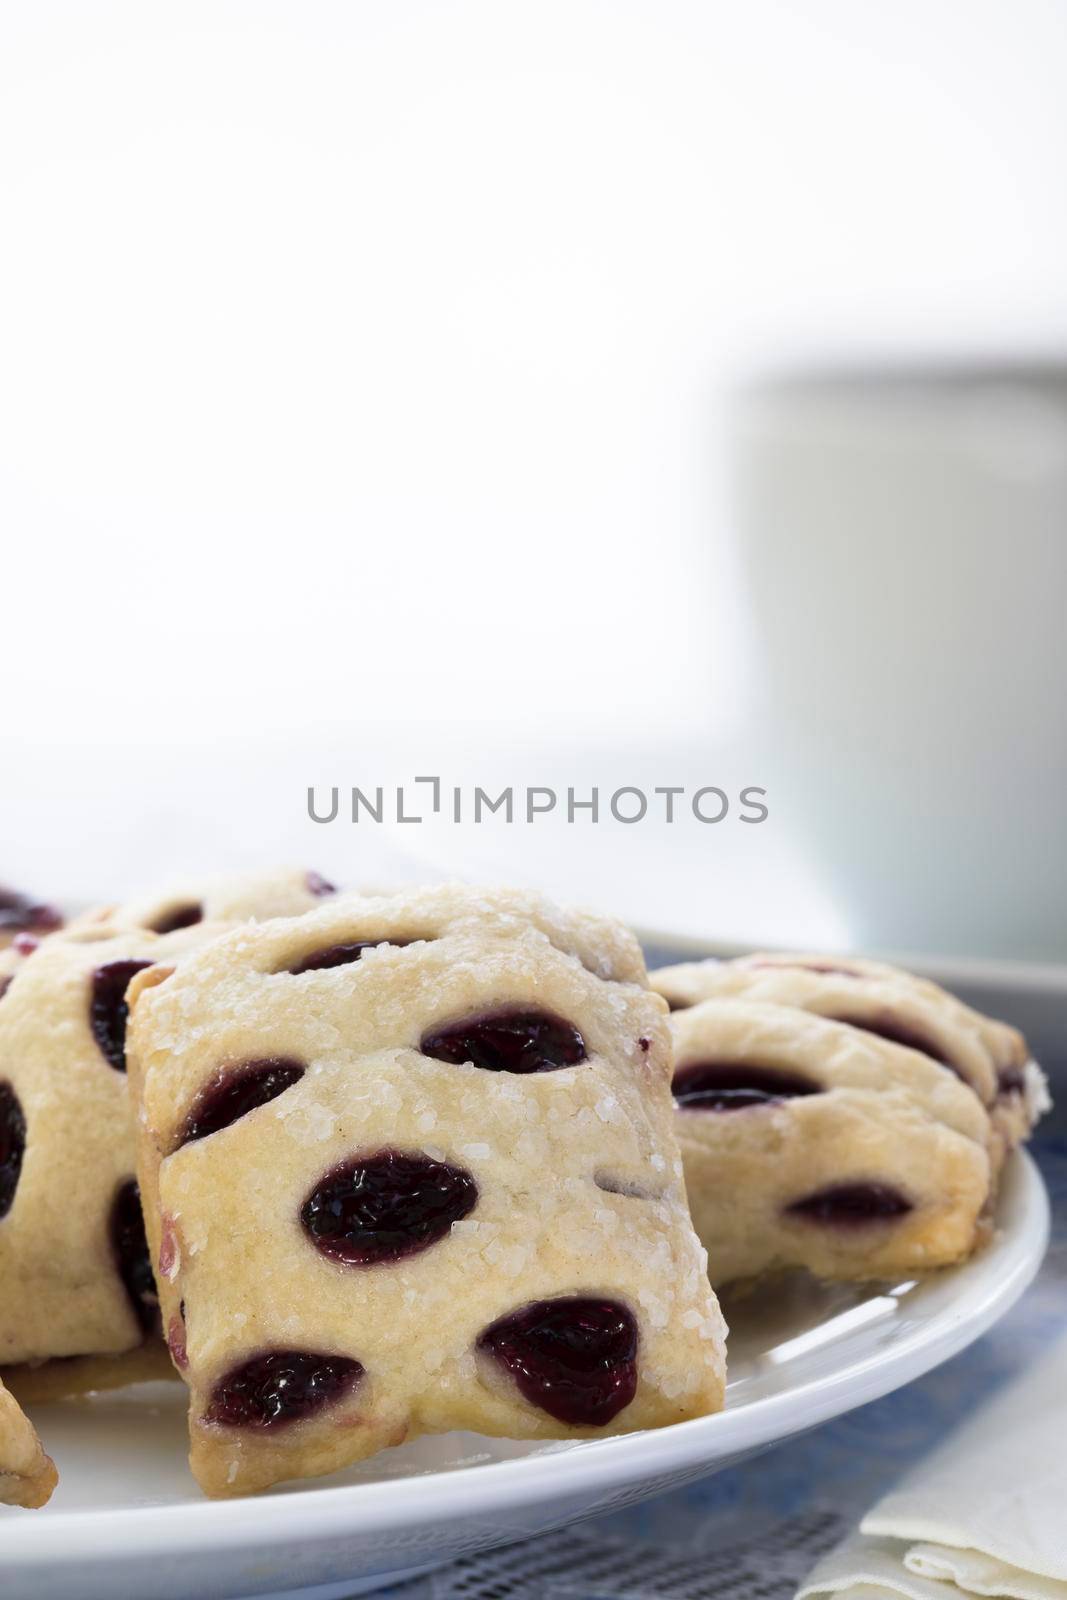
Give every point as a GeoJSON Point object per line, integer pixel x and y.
{"type": "Point", "coordinates": [127, 1518]}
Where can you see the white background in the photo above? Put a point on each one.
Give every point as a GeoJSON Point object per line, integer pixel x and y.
{"type": "Point", "coordinates": [364, 382]}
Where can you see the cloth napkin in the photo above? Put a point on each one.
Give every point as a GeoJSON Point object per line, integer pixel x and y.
{"type": "Point", "coordinates": [987, 1512]}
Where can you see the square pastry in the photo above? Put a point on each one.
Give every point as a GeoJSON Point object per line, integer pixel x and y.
{"type": "Point", "coordinates": [813, 1143]}
{"type": "Point", "coordinates": [408, 1165]}
{"type": "Point", "coordinates": [237, 897]}
{"type": "Point", "coordinates": [75, 1278]}
{"type": "Point", "coordinates": [991, 1057]}
{"type": "Point", "coordinates": [27, 1476]}
{"type": "Point", "coordinates": [88, 1297]}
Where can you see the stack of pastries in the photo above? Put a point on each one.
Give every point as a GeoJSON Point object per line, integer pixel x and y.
{"type": "Point", "coordinates": [359, 1167]}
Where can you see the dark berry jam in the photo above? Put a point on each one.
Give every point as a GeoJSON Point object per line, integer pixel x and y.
{"type": "Point", "coordinates": [732, 1086]}
{"type": "Point", "coordinates": [318, 886]}
{"type": "Point", "coordinates": [236, 1092]}
{"type": "Point", "coordinates": [281, 1387]}
{"type": "Point", "coordinates": [176, 1343]}
{"type": "Point", "coordinates": [20, 914]}
{"type": "Point", "coordinates": [12, 1145]}
{"type": "Point", "coordinates": [169, 1246]}
{"type": "Point", "coordinates": [185, 916]}
{"type": "Point", "coordinates": [852, 1205]}
{"type": "Point", "coordinates": [825, 967]}
{"type": "Point", "coordinates": [512, 1040]}
{"type": "Point", "coordinates": [130, 1246]}
{"type": "Point", "coordinates": [108, 1011]}
{"type": "Point", "coordinates": [340, 955]}
{"type": "Point", "coordinates": [381, 1208]}
{"type": "Point", "coordinates": [574, 1358]}
{"type": "Point", "coordinates": [894, 1029]}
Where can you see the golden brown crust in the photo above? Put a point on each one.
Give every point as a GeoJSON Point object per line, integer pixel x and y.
{"type": "Point", "coordinates": [236, 1255]}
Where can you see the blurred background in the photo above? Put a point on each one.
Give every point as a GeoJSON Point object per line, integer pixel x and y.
{"type": "Point", "coordinates": [584, 393]}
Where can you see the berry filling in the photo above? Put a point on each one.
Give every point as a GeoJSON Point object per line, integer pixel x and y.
{"type": "Point", "coordinates": [340, 955]}
{"type": "Point", "coordinates": [185, 916]}
{"type": "Point", "coordinates": [12, 1145]}
{"type": "Point", "coordinates": [108, 1011]}
{"type": "Point", "coordinates": [237, 1092]}
{"type": "Point", "coordinates": [176, 1343]}
{"type": "Point", "coordinates": [731, 1086]}
{"type": "Point", "coordinates": [170, 1251]}
{"type": "Point", "coordinates": [130, 1246]}
{"type": "Point", "coordinates": [508, 1041]}
{"type": "Point", "coordinates": [574, 1358]}
{"type": "Point", "coordinates": [318, 886]}
{"type": "Point", "coordinates": [18, 913]}
{"type": "Point", "coordinates": [892, 1028]}
{"type": "Point", "coordinates": [852, 1205]}
{"type": "Point", "coordinates": [381, 1208]}
{"type": "Point", "coordinates": [281, 1387]}
{"type": "Point", "coordinates": [825, 967]}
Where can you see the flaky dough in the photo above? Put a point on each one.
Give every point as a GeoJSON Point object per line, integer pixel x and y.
{"type": "Point", "coordinates": [882, 1116]}
{"type": "Point", "coordinates": [578, 1177]}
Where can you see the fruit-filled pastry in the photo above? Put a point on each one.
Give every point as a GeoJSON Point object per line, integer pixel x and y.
{"type": "Point", "coordinates": [21, 914]}
{"type": "Point", "coordinates": [96, 1351]}
{"type": "Point", "coordinates": [408, 1165]}
{"type": "Point", "coordinates": [239, 897]}
{"type": "Point", "coordinates": [75, 1278]}
{"type": "Point", "coordinates": [27, 1476]}
{"type": "Point", "coordinates": [811, 1143]}
{"type": "Point", "coordinates": [988, 1055]}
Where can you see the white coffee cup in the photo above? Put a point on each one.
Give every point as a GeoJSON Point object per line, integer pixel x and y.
{"type": "Point", "coordinates": [904, 540]}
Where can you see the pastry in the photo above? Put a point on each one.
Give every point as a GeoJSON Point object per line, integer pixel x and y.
{"type": "Point", "coordinates": [239, 897]}
{"type": "Point", "coordinates": [74, 1377]}
{"type": "Point", "coordinates": [61, 1050]}
{"type": "Point", "coordinates": [74, 1268]}
{"type": "Point", "coordinates": [882, 1003]}
{"type": "Point", "coordinates": [408, 1165]}
{"type": "Point", "coordinates": [76, 1319]}
{"type": "Point", "coordinates": [21, 914]}
{"type": "Point", "coordinates": [988, 1055]}
{"type": "Point", "coordinates": [27, 1475]}
{"type": "Point", "coordinates": [811, 1143]}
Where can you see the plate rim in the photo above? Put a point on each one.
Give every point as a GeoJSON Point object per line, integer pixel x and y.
{"type": "Point", "coordinates": [53, 1539]}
